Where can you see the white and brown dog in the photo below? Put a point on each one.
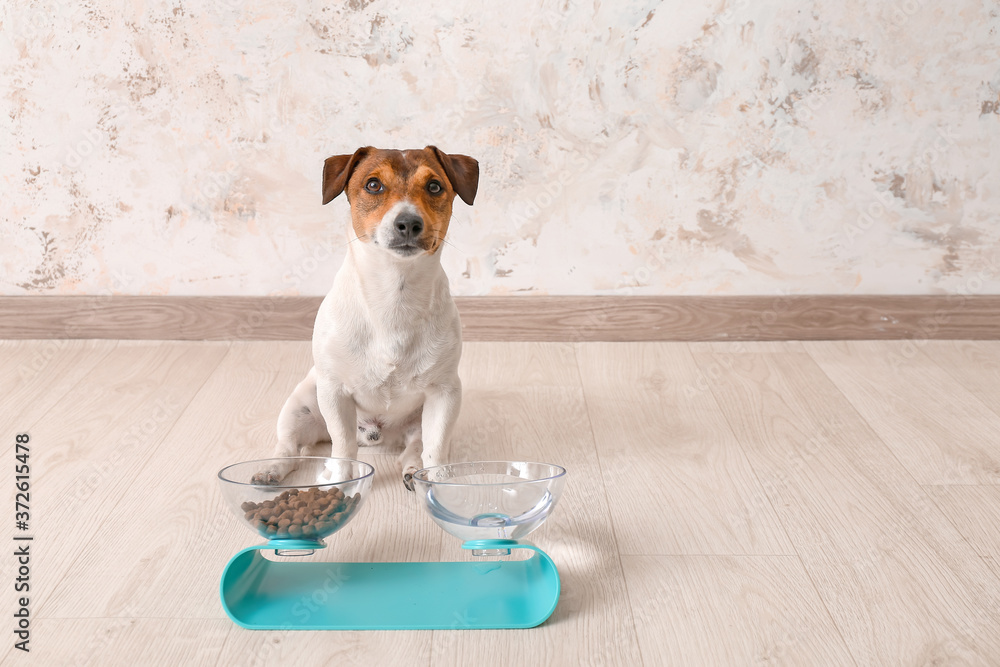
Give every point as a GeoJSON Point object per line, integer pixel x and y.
{"type": "Point", "coordinates": [387, 338]}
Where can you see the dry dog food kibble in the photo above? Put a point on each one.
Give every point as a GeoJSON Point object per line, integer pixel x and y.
{"type": "Point", "coordinates": [301, 514]}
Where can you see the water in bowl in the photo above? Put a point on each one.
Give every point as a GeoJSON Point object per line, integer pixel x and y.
{"type": "Point", "coordinates": [482, 506]}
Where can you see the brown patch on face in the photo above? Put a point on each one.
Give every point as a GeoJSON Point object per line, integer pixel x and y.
{"type": "Point", "coordinates": [435, 209]}
{"type": "Point", "coordinates": [403, 176]}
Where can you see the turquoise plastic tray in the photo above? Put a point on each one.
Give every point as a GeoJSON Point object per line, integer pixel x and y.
{"type": "Point", "coordinates": [261, 594]}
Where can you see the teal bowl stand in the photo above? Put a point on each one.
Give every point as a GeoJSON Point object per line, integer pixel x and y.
{"type": "Point", "coordinates": [261, 594]}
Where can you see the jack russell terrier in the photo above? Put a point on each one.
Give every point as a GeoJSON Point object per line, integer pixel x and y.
{"type": "Point", "coordinates": [387, 338]}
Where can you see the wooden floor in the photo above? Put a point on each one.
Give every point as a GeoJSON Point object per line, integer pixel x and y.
{"type": "Point", "coordinates": [818, 503]}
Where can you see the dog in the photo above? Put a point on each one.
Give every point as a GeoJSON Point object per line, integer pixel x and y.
{"type": "Point", "coordinates": [387, 338]}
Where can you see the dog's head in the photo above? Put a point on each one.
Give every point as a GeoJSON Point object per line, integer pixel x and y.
{"type": "Point", "coordinates": [401, 200]}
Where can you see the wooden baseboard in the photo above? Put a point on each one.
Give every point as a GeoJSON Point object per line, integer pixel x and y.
{"type": "Point", "coordinates": [524, 318]}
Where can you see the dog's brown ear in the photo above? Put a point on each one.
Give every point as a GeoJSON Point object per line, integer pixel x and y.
{"type": "Point", "coordinates": [337, 172]}
{"type": "Point", "coordinates": [462, 171]}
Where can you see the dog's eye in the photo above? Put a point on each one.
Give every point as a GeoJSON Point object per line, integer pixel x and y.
{"type": "Point", "coordinates": [373, 186]}
{"type": "Point", "coordinates": [434, 188]}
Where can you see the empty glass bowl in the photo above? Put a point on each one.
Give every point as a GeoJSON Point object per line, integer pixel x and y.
{"type": "Point", "coordinates": [488, 500]}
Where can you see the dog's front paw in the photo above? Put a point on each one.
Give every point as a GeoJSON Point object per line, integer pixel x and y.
{"type": "Point", "coordinates": [266, 478]}
{"type": "Point", "coordinates": [273, 473]}
{"type": "Point", "coordinates": [408, 473]}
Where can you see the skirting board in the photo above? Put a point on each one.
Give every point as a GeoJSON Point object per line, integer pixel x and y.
{"type": "Point", "coordinates": [521, 318]}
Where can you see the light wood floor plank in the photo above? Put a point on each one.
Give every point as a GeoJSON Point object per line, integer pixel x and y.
{"type": "Point", "coordinates": [993, 564]}
{"type": "Point", "coordinates": [124, 642]}
{"type": "Point", "coordinates": [753, 346]}
{"type": "Point", "coordinates": [660, 434]}
{"type": "Point", "coordinates": [542, 421]}
{"type": "Point", "coordinates": [900, 582]}
{"type": "Point", "coordinates": [939, 431]}
{"type": "Point", "coordinates": [96, 440]}
{"type": "Point", "coordinates": [34, 375]}
{"type": "Point", "coordinates": [492, 365]}
{"type": "Point", "coordinates": [725, 610]}
{"type": "Point", "coordinates": [975, 512]}
{"type": "Point", "coordinates": [975, 364]}
{"type": "Point", "coordinates": [326, 649]}
{"type": "Point", "coordinates": [292, 357]}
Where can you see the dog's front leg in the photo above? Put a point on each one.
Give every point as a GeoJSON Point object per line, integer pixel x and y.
{"type": "Point", "coordinates": [300, 425]}
{"type": "Point", "coordinates": [341, 416]}
{"type": "Point", "coordinates": [441, 407]}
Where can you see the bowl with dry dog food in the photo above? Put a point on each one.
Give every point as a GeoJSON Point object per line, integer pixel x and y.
{"type": "Point", "coordinates": [316, 499]}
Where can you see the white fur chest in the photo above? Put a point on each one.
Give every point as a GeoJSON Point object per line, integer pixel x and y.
{"type": "Point", "coordinates": [389, 375]}
{"type": "Point", "coordinates": [385, 337]}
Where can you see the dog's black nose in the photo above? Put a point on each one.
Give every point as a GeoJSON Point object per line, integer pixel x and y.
{"type": "Point", "coordinates": [409, 225]}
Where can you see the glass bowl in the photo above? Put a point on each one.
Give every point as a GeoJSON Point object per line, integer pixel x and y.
{"type": "Point", "coordinates": [490, 500]}
{"type": "Point", "coordinates": [316, 499]}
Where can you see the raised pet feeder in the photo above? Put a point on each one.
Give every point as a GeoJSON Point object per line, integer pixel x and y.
{"type": "Point", "coordinates": [488, 505]}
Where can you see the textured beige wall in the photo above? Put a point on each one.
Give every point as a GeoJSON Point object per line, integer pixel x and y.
{"type": "Point", "coordinates": [727, 147]}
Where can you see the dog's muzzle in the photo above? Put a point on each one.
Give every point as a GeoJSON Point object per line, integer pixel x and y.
{"type": "Point", "coordinates": [407, 228]}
